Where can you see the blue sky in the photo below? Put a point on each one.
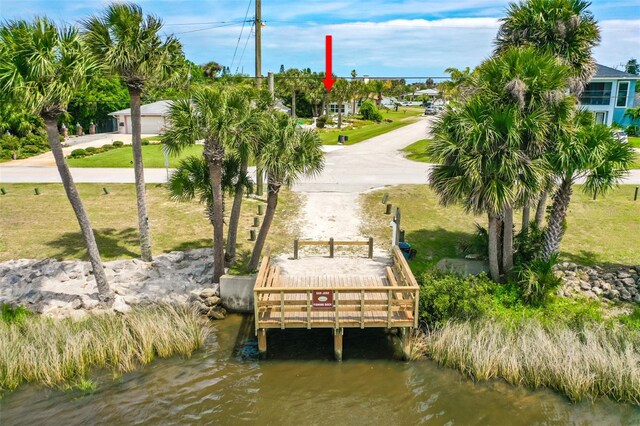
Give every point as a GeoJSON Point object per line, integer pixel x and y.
{"type": "Point", "coordinates": [375, 37]}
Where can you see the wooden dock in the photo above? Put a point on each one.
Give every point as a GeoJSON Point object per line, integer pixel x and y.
{"type": "Point", "coordinates": [336, 301]}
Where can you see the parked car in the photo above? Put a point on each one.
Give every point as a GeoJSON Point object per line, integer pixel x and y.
{"type": "Point", "coordinates": [430, 110]}
{"type": "Point", "coordinates": [620, 135]}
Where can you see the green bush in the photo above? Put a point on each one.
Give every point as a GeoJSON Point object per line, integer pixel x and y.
{"type": "Point", "coordinates": [78, 153]}
{"type": "Point", "coordinates": [632, 130]}
{"type": "Point", "coordinates": [369, 111]}
{"type": "Point", "coordinates": [446, 297]}
{"type": "Point", "coordinates": [91, 150]}
{"type": "Point", "coordinates": [145, 142]}
{"type": "Point", "coordinates": [538, 280]}
{"type": "Point", "coordinates": [321, 121]}
{"type": "Point", "coordinates": [107, 147]}
{"type": "Point", "coordinates": [118, 144]}
{"type": "Point", "coordinates": [11, 315]}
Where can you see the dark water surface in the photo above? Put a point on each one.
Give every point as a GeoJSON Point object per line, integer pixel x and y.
{"type": "Point", "coordinates": [300, 384]}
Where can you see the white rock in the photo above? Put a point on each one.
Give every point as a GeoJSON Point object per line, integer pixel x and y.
{"type": "Point", "coordinates": [120, 306]}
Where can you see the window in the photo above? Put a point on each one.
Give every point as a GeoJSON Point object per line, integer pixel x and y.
{"type": "Point", "coordinates": [623, 91]}
{"type": "Point", "coordinates": [596, 94]}
{"type": "Point", "coordinates": [601, 117]}
{"type": "Point", "coordinates": [333, 108]}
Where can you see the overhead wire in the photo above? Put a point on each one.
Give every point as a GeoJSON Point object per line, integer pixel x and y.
{"type": "Point", "coordinates": [246, 14]}
{"type": "Point", "coordinates": [245, 46]}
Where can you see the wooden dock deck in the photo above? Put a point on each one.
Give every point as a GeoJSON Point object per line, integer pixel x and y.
{"type": "Point", "coordinates": [336, 301]}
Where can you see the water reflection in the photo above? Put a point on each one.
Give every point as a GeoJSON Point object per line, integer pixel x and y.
{"type": "Point", "coordinates": [299, 383]}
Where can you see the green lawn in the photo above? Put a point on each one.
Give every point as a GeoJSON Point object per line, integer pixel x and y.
{"type": "Point", "coordinates": [39, 226]}
{"type": "Point", "coordinates": [152, 155]}
{"type": "Point", "coordinates": [634, 141]}
{"type": "Point", "coordinates": [417, 151]}
{"type": "Point", "coordinates": [599, 232]}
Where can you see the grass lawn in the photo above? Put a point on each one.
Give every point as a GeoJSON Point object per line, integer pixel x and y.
{"type": "Point", "coordinates": [152, 155]}
{"type": "Point", "coordinates": [634, 141]}
{"type": "Point", "coordinates": [45, 226]}
{"type": "Point", "coordinates": [435, 231]}
{"type": "Point", "coordinates": [417, 151]}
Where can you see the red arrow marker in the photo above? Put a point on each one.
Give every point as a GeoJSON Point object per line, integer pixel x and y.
{"type": "Point", "coordinates": [328, 80]}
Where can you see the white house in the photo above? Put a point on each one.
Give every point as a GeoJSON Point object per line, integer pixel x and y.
{"type": "Point", "coordinates": [152, 118]}
{"type": "Point", "coordinates": [608, 95]}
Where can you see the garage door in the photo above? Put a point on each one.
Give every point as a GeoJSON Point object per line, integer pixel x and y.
{"type": "Point", "coordinates": [152, 124]}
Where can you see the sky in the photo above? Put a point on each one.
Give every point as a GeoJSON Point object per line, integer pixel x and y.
{"type": "Point", "coordinates": [381, 38]}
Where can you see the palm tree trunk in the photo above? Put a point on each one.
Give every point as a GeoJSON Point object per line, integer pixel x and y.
{"type": "Point", "coordinates": [104, 291]}
{"type": "Point", "coordinates": [214, 154]}
{"type": "Point", "coordinates": [541, 209]}
{"type": "Point", "coordinates": [324, 104]}
{"type": "Point", "coordinates": [555, 228]}
{"type": "Point", "coordinates": [293, 104]}
{"type": "Point", "coordinates": [494, 270]}
{"type": "Point", "coordinates": [272, 203]}
{"type": "Point", "coordinates": [526, 216]}
{"type": "Point", "coordinates": [138, 167]}
{"type": "Point", "coordinates": [234, 217]}
{"type": "Point", "coordinates": [507, 241]}
{"type": "Point", "coordinates": [339, 116]}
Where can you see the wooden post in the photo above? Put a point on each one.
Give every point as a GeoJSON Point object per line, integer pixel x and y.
{"type": "Point", "coordinates": [405, 342]}
{"type": "Point", "coordinates": [252, 235]}
{"type": "Point", "coordinates": [105, 190]}
{"type": "Point", "coordinates": [260, 209]}
{"type": "Point", "coordinates": [36, 191]}
{"type": "Point", "coordinates": [331, 247]}
{"type": "Point", "coordinates": [256, 221]}
{"type": "Point", "coordinates": [370, 247]}
{"type": "Point", "coordinates": [385, 197]}
{"type": "Point", "coordinates": [262, 341]}
{"type": "Point", "coordinates": [388, 210]}
{"type": "Point", "coordinates": [337, 343]}
{"type": "Point", "coordinates": [635, 196]}
{"type": "Point", "coordinates": [4, 192]}
{"type": "Point", "coordinates": [295, 248]}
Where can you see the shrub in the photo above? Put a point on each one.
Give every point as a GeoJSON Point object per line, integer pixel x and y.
{"type": "Point", "coordinates": [321, 121]}
{"type": "Point", "coordinates": [448, 296]}
{"type": "Point", "coordinates": [370, 112]}
{"type": "Point", "coordinates": [388, 120]}
{"type": "Point", "coordinates": [13, 315]}
{"type": "Point", "coordinates": [145, 142]}
{"type": "Point", "coordinates": [118, 144]}
{"type": "Point", "coordinates": [91, 150]}
{"type": "Point", "coordinates": [78, 153]}
{"type": "Point", "coordinates": [107, 147]}
{"type": "Point", "coordinates": [633, 130]}
{"type": "Point", "coordinates": [538, 280]}
{"type": "Point", "coordinates": [29, 150]}
{"type": "Point", "coordinates": [478, 244]}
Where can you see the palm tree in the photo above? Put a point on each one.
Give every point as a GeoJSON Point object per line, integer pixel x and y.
{"type": "Point", "coordinates": [340, 93]}
{"type": "Point", "coordinates": [377, 86]}
{"type": "Point", "coordinates": [217, 115]}
{"type": "Point", "coordinates": [191, 181]}
{"type": "Point", "coordinates": [287, 153]}
{"type": "Point", "coordinates": [43, 66]}
{"type": "Point", "coordinates": [633, 114]}
{"type": "Point", "coordinates": [127, 43]}
{"type": "Point", "coordinates": [588, 152]}
{"type": "Point", "coordinates": [565, 28]}
{"type": "Point", "coordinates": [291, 82]}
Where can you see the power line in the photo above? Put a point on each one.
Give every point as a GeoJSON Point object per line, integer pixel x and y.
{"type": "Point", "coordinates": [245, 48]}
{"type": "Point", "coordinates": [207, 28]}
{"type": "Point", "coordinates": [246, 14]}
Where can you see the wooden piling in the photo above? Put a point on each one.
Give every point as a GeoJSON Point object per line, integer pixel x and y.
{"type": "Point", "coordinates": [635, 195]}
{"type": "Point", "coordinates": [252, 235]}
{"type": "Point", "coordinates": [256, 221]}
{"type": "Point", "coordinates": [337, 343]}
{"type": "Point", "coordinates": [331, 247]}
{"type": "Point", "coordinates": [370, 247]}
{"type": "Point", "coordinates": [405, 342]}
{"type": "Point", "coordinates": [295, 248]}
{"type": "Point", "coordinates": [389, 207]}
{"type": "Point", "coordinates": [385, 198]}
{"type": "Point", "coordinates": [260, 209]}
{"type": "Point", "coordinates": [262, 341]}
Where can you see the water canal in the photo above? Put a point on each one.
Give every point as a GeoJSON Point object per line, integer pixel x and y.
{"type": "Point", "coordinates": [300, 384]}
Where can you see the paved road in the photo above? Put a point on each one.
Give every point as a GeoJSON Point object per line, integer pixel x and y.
{"type": "Point", "coordinates": [353, 169]}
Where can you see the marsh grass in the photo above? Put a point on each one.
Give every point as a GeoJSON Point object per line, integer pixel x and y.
{"type": "Point", "coordinates": [62, 352]}
{"type": "Point", "coordinates": [591, 362]}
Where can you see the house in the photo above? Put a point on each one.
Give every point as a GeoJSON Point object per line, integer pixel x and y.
{"type": "Point", "coordinates": [152, 118]}
{"type": "Point", "coordinates": [608, 95]}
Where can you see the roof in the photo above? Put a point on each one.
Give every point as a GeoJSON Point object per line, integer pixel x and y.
{"type": "Point", "coordinates": [155, 108]}
{"type": "Point", "coordinates": [430, 92]}
{"type": "Point", "coordinates": [607, 72]}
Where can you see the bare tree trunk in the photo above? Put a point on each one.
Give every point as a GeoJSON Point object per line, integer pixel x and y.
{"type": "Point", "coordinates": [234, 217]}
{"type": "Point", "coordinates": [324, 104]}
{"type": "Point", "coordinates": [541, 209]}
{"type": "Point", "coordinates": [293, 104]}
{"type": "Point", "coordinates": [507, 241]}
{"type": "Point", "coordinates": [272, 203]}
{"type": "Point", "coordinates": [138, 167]}
{"type": "Point", "coordinates": [104, 291]}
{"type": "Point", "coordinates": [494, 270]}
{"type": "Point", "coordinates": [214, 153]}
{"type": "Point", "coordinates": [555, 228]}
{"type": "Point", "coordinates": [526, 216]}
{"type": "Point", "coordinates": [339, 117]}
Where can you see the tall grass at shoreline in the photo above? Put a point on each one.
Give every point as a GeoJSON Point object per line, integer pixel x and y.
{"type": "Point", "coordinates": [56, 352]}
{"type": "Point", "coordinates": [592, 362]}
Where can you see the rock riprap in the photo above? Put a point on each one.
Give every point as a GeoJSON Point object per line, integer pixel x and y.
{"type": "Point", "coordinates": [619, 284]}
{"type": "Point", "coordinates": [67, 288]}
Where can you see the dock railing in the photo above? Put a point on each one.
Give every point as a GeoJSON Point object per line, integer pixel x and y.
{"type": "Point", "coordinates": [358, 306]}
{"type": "Point", "coordinates": [297, 243]}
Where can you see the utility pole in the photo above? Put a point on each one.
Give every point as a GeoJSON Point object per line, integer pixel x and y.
{"type": "Point", "coordinates": [258, 27]}
{"type": "Point", "coordinates": [258, 75]}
